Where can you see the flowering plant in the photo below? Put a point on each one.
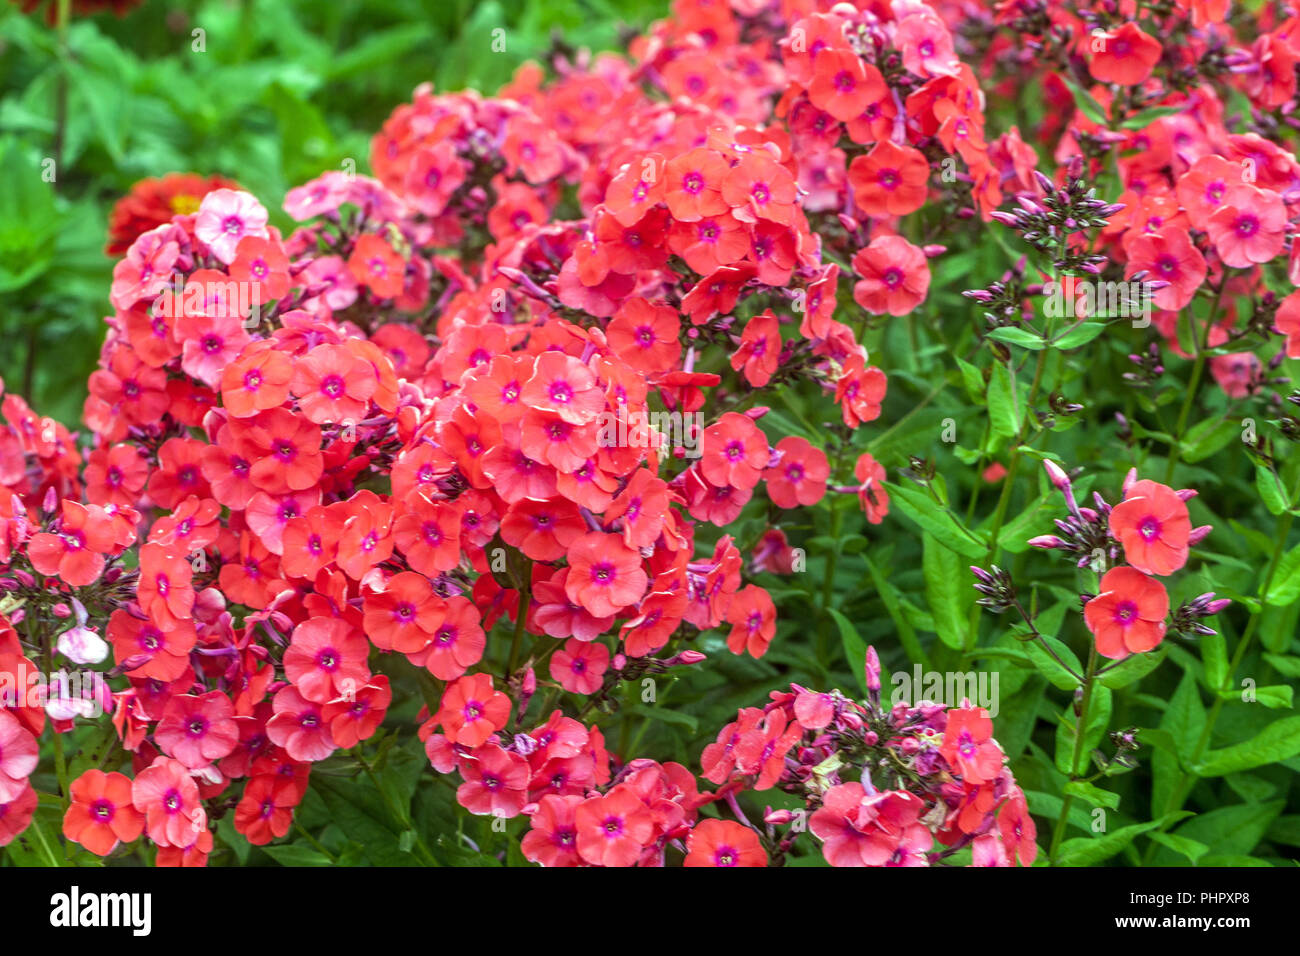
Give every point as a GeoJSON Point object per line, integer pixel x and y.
{"type": "Point", "coordinates": [397, 521]}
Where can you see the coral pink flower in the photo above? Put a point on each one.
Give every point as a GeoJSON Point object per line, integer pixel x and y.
{"type": "Point", "coordinates": [471, 711]}
{"type": "Point", "coordinates": [496, 782]}
{"type": "Point", "coordinates": [326, 657]}
{"type": "Point", "coordinates": [259, 379]}
{"type": "Point", "coordinates": [198, 730]}
{"type": "Point", "coordinates": [840, 85]}
{"type": "Point", "coordinates": [969, 747]}
{"type": "Point", "coordinates": [1250, 226]}
{"type": "Point", "coordinates": [1288, 323]}
{"type": "Point", "coordinates": [76, 553]}
{"type": "Point", "coordinates": [456, 639]}
{"type": "Point", "coordinates": [1127, 56]}
{"type": "Point", "coordinates": [644, 335]}
{"type": "Point", "coordinates": [891, 180]}
{"type": "Point", "coordinates": [1019, 834]}
{"type": "Point", "coordinates": [760, 188]}
{"type": "Point", "coordinates": [377, 266]}
{"type": "Point", "coordinates": [759, 353]}
{"type": "Point", "coordinates": [613, 829]}
{"type": "Point", "coordinates": [693, 185]}
{"type": "Point", "coordinates": [1203, 188]}
{"type": "Point", "coordinates": [1128, 616]}
{"type": "Point", "coordinates": [265, 812]}
{"type": "Point", "coordinates": [875, 499]}
{"type": "Point", "coordinates": [169, 799]}
{"type": "Point", "coordinates": [354, 718]}
{"type": "Point", "coordinates": [299, 726]}
{"type": "Point", "coordinates": [563, 385]}
{"type": "Point", "coordinates": [164, 590]}
{"type": "Point", "coordinates": [553, 839]}
{"type": "Point", "coordinates": [641, 509]}
{"type": "Point", "coordinates": [101, 812]}
{"type": "Point", "coordinates": [145, 650]}
{"type": "Point", "coordinates": [752, 617]}
{"type": "Point", "coordinates": [800, 476]}
{"type": "Point", "coordinates": [734, 452]}
{"type": "Point", "coordinates": [333, 385]}
{"type": "Point", "coordinates": [428, 534]}
{"type": "Point", "coordinates": [723, 843]}
{"type": "Point", "coordinates": [1153, 525]}
{"type": "Point", "coordinates": [16, 814]}
{"type": "Point", "coordinates": [605, 575]}
{"type": "Point", "coordinates": [580, 667]}
{"type": "Point", "coordinates": [859, 391]}
{"type": "Point", "coordinates": [1170, 257]}
{"type": "Point", "coordinates": [225, 217]}
{"type": "Point", "coordinates": [263, 266]}
{"type": "Point", "coordinates": [926, 44]}
{"type": "Point", "coordinates": [895, 276]}
{"type": "Point", "coordinates": [18, 757]}
{"type": "Point", "coordinates": [400, 617]}
{"type": "Point", "coordinates": [878, 829]}
{"type": "Point", "coordinates": [555, 614]}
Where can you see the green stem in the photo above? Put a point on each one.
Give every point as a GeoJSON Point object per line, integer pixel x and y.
{"type": "Point", "coordinates": [1080, 732]}
{"type": "Point", "coordinates": [521, 617]}
{"type": "Point", "coordinates": [1200, 339]}
{"type": "Point", "coordinates": [314, 842]}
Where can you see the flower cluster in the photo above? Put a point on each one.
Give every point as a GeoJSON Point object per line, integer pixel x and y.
{"type": "Point", "coordinates": [908, 785]}
{"type": "Point", "coordinates": [1151, 531]}
{"type": "Point", "coordinates": [485, 423]}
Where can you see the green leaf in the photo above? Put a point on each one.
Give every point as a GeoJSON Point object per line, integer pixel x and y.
{"type": "Point", "coordinates": [1078, 335]}
{"type": "Point", "coordinates": [1134, 668]}
{"type": "Point", "coordinates": [1004, 410]}
{"type": "Point", "coordinates": [1086, 102]}
{"type": "Point", "coordinates": [1270, 490]}
{"type": "Point", "coordinates": [1184, 718]}
{"type": "Point", "coordinates": [29, 219]}
{"type": "Point", "coordinates": [665, 714]}
{"type": "Point", "coordinates": [291, 854]}
{"type": "Point", "coordinates": [1013, 335]}
{"type": "Point", "coordinates": [379, 49]}
{"type": "Point", "coordinates": [1089, 851]}
{"type": "Point", "coordinates": [1094, 795]}
{"type": "Point", "coordinates": [1205, 438]}
{"type": "Point", "coordinates": [1285, 587]}
{"type": "Point", "coordinates": [1232, 830]}
{"type": "Point", "coordinates": [1191, 849]}
{"type": "Point", "coordinates": [972, 379]}
{"type": "Point", "coordinates": [1286, 666]}
{"type": "Point", "coordinates": [1149, 115]}
{"type": "Point", "coordinates": [936, 520]}
{"type": "Point", "coordinates": [1214, 655]}
{"type": "Point", "coordinates": [1280, 740]}
{"type": "Point", "coordinates": [357, 808]}
{"type": "Point", "coordinates": [1047, 665]}
{"type": "Point", "coordinates": [1017, 532]}
{"type": "Point", "coordinates": [943, 578]}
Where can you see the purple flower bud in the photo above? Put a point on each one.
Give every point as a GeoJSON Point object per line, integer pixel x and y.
{"type": "Point", "coordinates": [872, 665]}
{"type": "Point", "coordinates": [1056, 474]}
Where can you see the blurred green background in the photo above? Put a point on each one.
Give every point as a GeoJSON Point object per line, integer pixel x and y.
{"type": "Point", "coordinates": [281, 90]}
